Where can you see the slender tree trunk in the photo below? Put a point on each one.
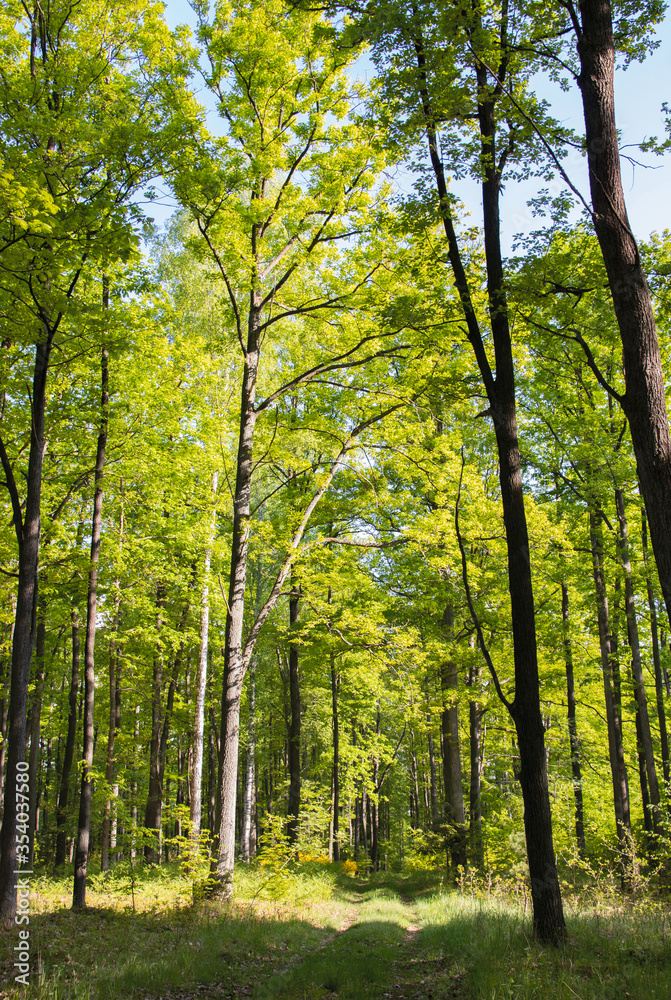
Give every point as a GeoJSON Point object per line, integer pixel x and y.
{"type": "Point", "coordinates": [614, 722]}
{"type": "Point", "coordinates": [27, 527]}
{"type": "Point", "coordinates": [572, 724]}
{"type": "Point", "coordinates": [84, 825]}
{"type": "Point", "coordinates": [295, 722]}
{"type": "Point", "coordinates": [475, 745]}
{"type": "Point", "coordinates": [114, 712]}
{"type": "Point", "coordinates": [212, 758]}
{"type": "Point", "coordinates": [336, 755]}
{"type": "Point", "coordinates": [234, 669]}
{"type": "Point", "coordinates": [152, 813]}
{"type": "Point", "coordinates": [35, 718]}
{"type": "Point", "coordinates": [657, 660]}
{"type": "Point", "coordinates": [435, 814]}
{"type": "Point", "coordinates": [201, 687]}
{"type": "Point", "coordinates": [454, 797]}
{"type": "Point", "coordinates": [644, 401]}
{"type": "Point", "coordinates": [114, 663]}
{"type": "Point", "coordinates": [500, 388]}
{"type": "Point", "coordinates": [643, 725]}
{"type": "Point", "coordinates": [375, 807]}
{"type": "Point", "coordinates": [68, 756]}
{"type": "Point", "coordinates": [246, 837]}
{"type": "Point", "coordinates": [4, 705]}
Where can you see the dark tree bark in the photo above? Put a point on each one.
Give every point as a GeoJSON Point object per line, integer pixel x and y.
{"type": "Point", "coordinates": [35, 717]}
{"type": "Point", "coordinates": [69, 753]}
{"type": "Point", "coordinates": [160, 729]}
{"type": "Point", "coordinates": [643, 721]}
{"type": "Point", "coordinates": [4, 705]}
{"type": "Point", "coordinates": [435, 813]}
{"type": "Point", "coordinates": [415, 818]}
{"type": "Point", "coordinates": [455, 817]}
{"type": "Point", "coordinates": [153, 806]}
{"type": "Point", "coordinates": [84, 824]}
{"type": "Point", "coordinates": [644, 400]}
{"type": "Point", "coordinates": [500, 389]}
{"type": "Point", "coordinates": [476, 843]}
{"type": "Point", "coordinates": [574, 742]}
{"type": "Point", "coordinates": [657, 660]}
{"type": "Point", "coordinates": [611, 695]}
{"type": "Point", "coordinates": [295, 722]}
{"type": "Point", "coordinates": [27, 528]}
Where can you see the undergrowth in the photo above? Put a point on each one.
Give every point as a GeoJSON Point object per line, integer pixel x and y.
{"type": "Point", "coordinates": [309, 930]}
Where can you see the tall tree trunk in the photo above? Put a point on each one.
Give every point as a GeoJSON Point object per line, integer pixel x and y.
{"type": "Point", "coordinates": [454, 797]}
{"type": "Point", "coordinates": [246, 838]}
{"type": "Point", "coordinates": [201, 686]}
{"type": "Point", "coordinates": [68, 756]}
{"type": "Point", "coordinates": [643, 725]}
{"type": "Point", "coordinates": [657, 660]}
{"type": "Point", "coordinates": [435, 814]}
{"type": "Point", "coordinates": [375, 807]}
{"type": "Point", "coordinates": [4, 705]}
{"type": "Point", "coordinates": [525, 708]}
{"type": "Point", "coordinates": [574, 742]}
{"type": "Point", "coordinates": [295, 723]}
{"type": "Point", "coordinates": [614, 722]}
{"type": "Point", "coordinates": [212, 758]}
{"type": "Point", "coordinates": [336, 754]}
{"type": "Point", "coordinates": [84, 824]}
{"type": "Point", "coordinates": [644, 401]}
{"type": "Point", "coordinates": [27, 527]}
{"type": "Point", "coordinates": [152, 812]}
{"type": "Point", "coordinates": [475, 744]}
{"type": "Point", "coordinates": [114, 667]}
{"type": "Point", "coordinates": [223, 857]}
{"type": "Point", "coordinates": [109, 817]}
{"type": "Point", "coordinates": [35, 718]}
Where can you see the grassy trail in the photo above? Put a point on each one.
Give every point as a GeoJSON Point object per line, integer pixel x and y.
{"type": "Point", "coordinates": [379, 953]}
{"type": "Point", "coordinates": [389, 938]}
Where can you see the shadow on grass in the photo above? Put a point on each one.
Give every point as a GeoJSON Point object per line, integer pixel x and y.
{"type": "Point", "coordinates": [105, 953]}
{"type": "Point", "coordinates": [467, 948]}
{"type": "Point", "coordinates": [606, 956]}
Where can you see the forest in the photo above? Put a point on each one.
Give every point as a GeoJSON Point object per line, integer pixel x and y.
{"type": "Point", "coordinates": [335, 545]}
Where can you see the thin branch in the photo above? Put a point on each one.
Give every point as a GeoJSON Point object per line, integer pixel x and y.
{"type": "Point", "coordinates": [469, 599]}
{"type": "Point", "coordinates": [300, 531]}
{"type": "Point", "coordinates": [334, 364]}
{"type": "Point", "coordinates": [10, 483]}
{"type": "Point", "coordinates": [383, 775]}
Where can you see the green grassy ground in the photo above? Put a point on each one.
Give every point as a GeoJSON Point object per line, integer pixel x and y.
{"type": "Point", "coordinates": [319, 934]}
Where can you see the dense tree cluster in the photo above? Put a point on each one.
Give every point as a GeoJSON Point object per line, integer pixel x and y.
{"type": "Point", "coordinates": [324, 522]}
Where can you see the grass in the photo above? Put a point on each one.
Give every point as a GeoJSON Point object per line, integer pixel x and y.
{"type": "Point", "coordinates": [317, 934]}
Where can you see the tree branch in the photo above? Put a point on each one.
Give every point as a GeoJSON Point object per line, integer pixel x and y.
{"type": "Point", "coordinates": [469, 600]}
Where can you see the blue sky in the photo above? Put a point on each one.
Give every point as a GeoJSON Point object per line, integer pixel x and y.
{"type": "Point", "coordinates": [640, 91]}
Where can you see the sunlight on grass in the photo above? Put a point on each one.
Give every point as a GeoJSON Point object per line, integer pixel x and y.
{"type": "Point", "coordinates": [331, 936]}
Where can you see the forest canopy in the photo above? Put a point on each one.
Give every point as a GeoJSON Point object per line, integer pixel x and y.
{"type": "Point", "coordinates": [330, 529]}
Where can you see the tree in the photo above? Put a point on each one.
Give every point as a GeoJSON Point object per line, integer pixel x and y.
{"type": "Point", "coordinates": [273, 201]}
{"type": "Point", "coordinates": [424, 89]}
{"type": "Point", "coordinates": [82, 128]}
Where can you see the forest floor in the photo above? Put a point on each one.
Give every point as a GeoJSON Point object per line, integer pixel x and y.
{"type": "Point", "coordinates": [324, 935]}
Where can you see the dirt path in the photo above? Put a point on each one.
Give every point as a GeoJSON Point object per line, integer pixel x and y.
{"type": "Point", "coordinates": [377, 954]}
{"type": "Point", "coordinates": [378, 951]}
